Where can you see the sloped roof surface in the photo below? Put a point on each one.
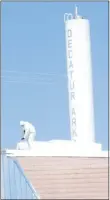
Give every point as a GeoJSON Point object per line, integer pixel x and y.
{"type": "Point", "coordinates": [67, 177]}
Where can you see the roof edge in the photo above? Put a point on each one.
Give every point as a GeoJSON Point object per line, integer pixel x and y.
{"type": "Point", "coordinates": [31, 153]}
{"type": "Point", "coordinates": [57, 148]}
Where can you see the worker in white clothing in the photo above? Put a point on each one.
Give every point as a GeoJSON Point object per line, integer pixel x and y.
{"type": "Point", "coordinates": [29, 132]}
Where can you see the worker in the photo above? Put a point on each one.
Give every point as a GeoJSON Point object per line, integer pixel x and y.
{"type": "Point", "coordinates": [29, 132]}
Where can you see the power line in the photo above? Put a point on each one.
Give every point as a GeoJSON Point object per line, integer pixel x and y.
{"type": "Point", "coordinates": [30, 80]}
{"type": "Point", "coordinates": [31, 73]}
{"type": "Point", "coordinates": [31, 77]}
{"type": "Point", "coordinates": [36, 78]}
{"type": "Point", "coordinates": [26, 82]}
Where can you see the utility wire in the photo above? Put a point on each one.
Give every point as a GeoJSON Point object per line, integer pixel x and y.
{"type": "Point", "coordinates": [31, 73]}
{"type": "Point", "coordinates": [26, 77]}
{"type": "Point", "coordinates": [30, 82]}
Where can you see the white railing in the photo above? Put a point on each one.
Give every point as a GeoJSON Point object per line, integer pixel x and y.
{"type": "Point", "coordinates": [14, 184]}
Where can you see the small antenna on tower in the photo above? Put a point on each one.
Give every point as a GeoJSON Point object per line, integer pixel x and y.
{"type": "Point", "coordinates": [76, 11]}
{"type": "Point", "coordinates": [76, 16]}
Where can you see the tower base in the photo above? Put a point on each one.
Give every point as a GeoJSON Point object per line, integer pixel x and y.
{"type": "Point", "coordinates": [60, 148]}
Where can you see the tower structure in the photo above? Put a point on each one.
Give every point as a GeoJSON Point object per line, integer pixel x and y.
{"type": "Point", "coordinates": [79, 71]}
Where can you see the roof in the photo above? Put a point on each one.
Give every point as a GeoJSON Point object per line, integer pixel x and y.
{"type": "Point", "coordinates": [67, 177]}
{"type": "Point", "coordinates": [61, 169]}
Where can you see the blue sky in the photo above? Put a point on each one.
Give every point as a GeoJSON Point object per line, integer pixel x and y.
{"type": "Point", "coordinates": [33, 41]}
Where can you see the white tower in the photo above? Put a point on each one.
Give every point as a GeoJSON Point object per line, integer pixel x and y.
{"type": "Point", "coordinates": [79, 72]}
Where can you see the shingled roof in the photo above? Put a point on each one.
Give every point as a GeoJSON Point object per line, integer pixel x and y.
{"type": "Point", "coordinates": [67, 177]}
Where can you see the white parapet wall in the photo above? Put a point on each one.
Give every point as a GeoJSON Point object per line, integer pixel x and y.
{"type": "Point", "coordinates": [58, 148]}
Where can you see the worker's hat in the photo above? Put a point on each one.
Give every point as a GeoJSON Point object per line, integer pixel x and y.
{"type": "Point", "coordinates": [22, 123]}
